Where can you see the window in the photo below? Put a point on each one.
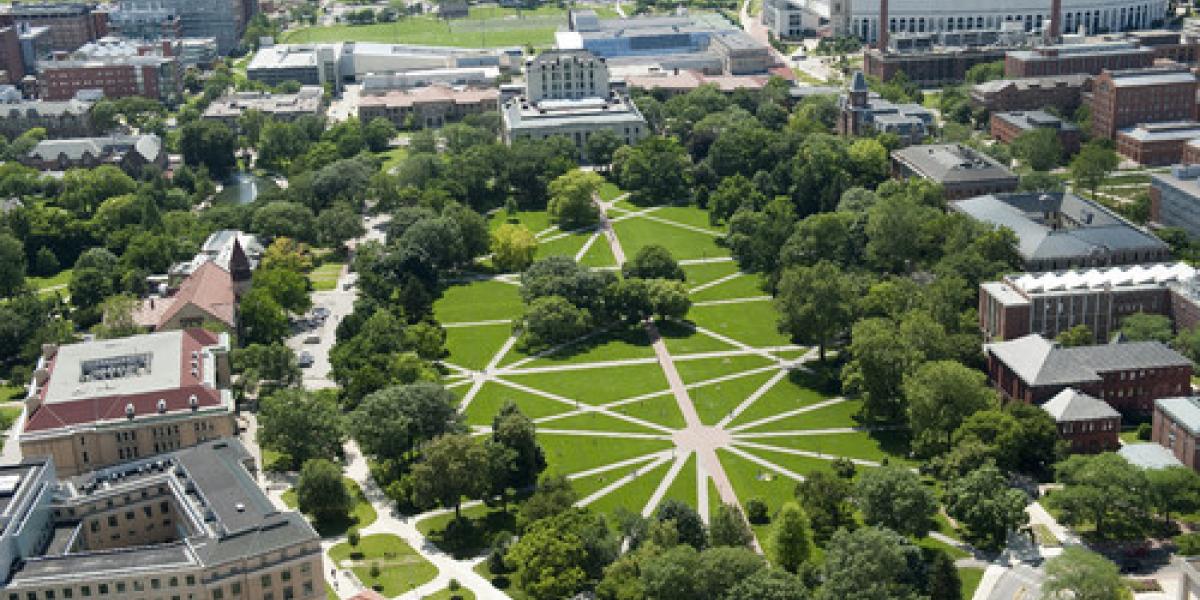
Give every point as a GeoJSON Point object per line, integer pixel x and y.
{"type": "Point", "coordinates": [266, 580]}
{"type": "Point", "coordinates": [235, 588]}
{"type": "Point", "coordinates": [155, 584]}
{"type": "Point", "coordinates": [286, 575]}
{"type": "Point", "coordinates": [218, 594]}
{"type": "Point", "coordinates": [112, 521]}
{"type": "Point", "coordinates": [102, 589]}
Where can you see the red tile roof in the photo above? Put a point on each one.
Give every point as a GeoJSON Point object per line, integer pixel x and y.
{"type": "Point", "coordinates": [209, 288]}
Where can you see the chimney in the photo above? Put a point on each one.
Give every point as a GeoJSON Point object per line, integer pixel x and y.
{"type": "Point", "coordinates": [882, 40]}
{"type": "Point", "coordinates": [1055, 21]}
{"type": "Point", "coordinates": [168, 51]}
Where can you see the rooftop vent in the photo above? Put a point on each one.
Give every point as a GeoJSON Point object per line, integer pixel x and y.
{"type": "Point", "coordinates": [129, 411]}
{"type": "Point", "coordinates": [193, 402]}
{"type": "Point", "coordinates": [239, 507]}
{"type": "Point", "coordinates": [162, 405]}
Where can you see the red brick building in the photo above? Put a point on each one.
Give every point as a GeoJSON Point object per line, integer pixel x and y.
{"type": "Point", "coordinates": [12, 68]}
{"type": "Point", "coordinates": [928, 68]}
{"type": "Point", "coordinates": [1066, 59]}
{"type": "Point", "coordinates": [1129, 377]}
{"type": "Point", "coordinates": [1157, 144]}
{"type": "Point", "coordinates": [119, 68]}
{"type": "Point", "coordinates": [71, 24]}
{"type": "Point", "coordinates": [1008, 126]}
{"type": "Point", "coordinates": [1087, 424]}
{"type": "Point", "coordinates": [1062, 92]}
{"type": "Point", "coordinates": [1177, 426]}
{"type": "Point", "coordinates": [1124, 98]}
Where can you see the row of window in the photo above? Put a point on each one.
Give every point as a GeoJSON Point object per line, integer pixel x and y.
{"type": "Point", "coordinates": [104, 589]}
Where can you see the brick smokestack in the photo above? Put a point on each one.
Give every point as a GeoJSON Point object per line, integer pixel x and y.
{"type": "Point", "coordinates": [882, 42]}
{"type": "Point", "coordinates": [1055, 20]}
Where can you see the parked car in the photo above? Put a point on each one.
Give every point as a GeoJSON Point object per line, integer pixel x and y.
{"type": "Point", "coordinates": [305, 360]}
{"type": "Point", "coordinates": [321, 312]}
{"type": "Point", "coordinates": [312, 339]}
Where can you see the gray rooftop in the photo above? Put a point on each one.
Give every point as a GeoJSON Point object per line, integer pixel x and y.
{"type": "Point", "coordinates": [1149, 456]}
{"type": "Point", "coordinates": [1184, 410]}
{"type": "Point", "coordinates": [1040, 362]}
{"type": "Point", "coordinates": [149, 146]}
{"type": "Point", "coordinates": [1081, 228]}
{"type": "Point", "coordinates": [1152, 76]}
{"type": "Point", "coordinates": [1031, 119]}
{"type": "Point", "coordinates": [147, 363]}
{"type": "Point", "coordinates": [951, 163]}
{"type": "Point", "coordinates": [1163, 132]}
{"type": "Point", "coordinates": [1073, 405]}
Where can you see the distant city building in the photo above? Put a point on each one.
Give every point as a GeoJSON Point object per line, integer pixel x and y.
{"type": "Point", "coordinates": [1065, 59]}
{"type": "Point", "coordinates": [1087, 424]}
{"type": "Point", "coordinates": [191, 523]}
{"type": "Point", "coordinates": [223, 20]}
{"type": "Point", "coordinates": [1175, 196]}
{"type": "Point", "coordinates": [1062, 92]}
{"type": "Point", "coordinates": [1062, 230]}
{"type": "Point", "coordinates": [146, 20]}
{"type": "Point", "coordinates": [567, 94]}
{"type": "Point", "coordinates": [36, 45]}
{"type": "Point", "coordinates": [12, 63]}
{"type": "Point", "coordinates": [335, 63]}
{"type": "Point", "coordinates": [1176, 427]}
{"type": "Point", "coordinates": [1129, 97]}
{"type": "Point", "coordinates": [132, 153]}
{"type": "Point", "coordinates": [1053, 302]}
{"type": "Point", "coordinates": [795, 19]}
{"type": "Point", "coordinates": [465, 76]}
{"type": "Point", "coordinates": [1008, 126]}
{"type": "Point", "coordinates": [1128, 376]}
{"type": "Point", "coordinates": [71, 24]}
{"type": "Point", "coordinates": [1157, 144]}
{"type": "Point", "coordinates": [962, 171]}
{"type": "Point", "coordinates": [96, 404]}
{"type": "Point", "coordinates": [62, 118]}
{"type": "Point", "coordinates": [430, 106]}
{"type": "Point", "coordinates": [691, 41]}
{"type": "Point", "coordinates": [119, 68]}
{"type": "Point", "coordinates": [861, 112]}
{"type": "Point", "coordinates": [308, 101]}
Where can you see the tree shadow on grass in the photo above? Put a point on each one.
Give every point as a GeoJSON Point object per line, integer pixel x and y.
{"type": "Point", "coordinates": [632, 336]}
{"type": "Point", "coordinates": [472, 535]}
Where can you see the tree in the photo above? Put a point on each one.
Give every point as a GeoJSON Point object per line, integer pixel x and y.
{"type": "Point", "coordinates": [321, 492]}
{"type": "Point", "coordinates": [1187, 342]}
{"type": "Point", "coordinates": [287, 253]}
{"type": "Point", "coordinates": [720, 569]}
{"type": "Point", "coordinates": [825, 498]}
{"type": "Point", "coordinates": [729, 528]}
{"type": "Point", "coordinates": [335, 225]}
{"type": "Point", "coordinates": [451, 467]}
{"type": "Point", "coordinates": [896, 239]}
{"type": "Point", "coordinates": [556, 556]}
{"type": "Point", "coordinates": [393, 421]}
{"type": "Point", "coordinates": [261, 319]}
{"type": "Point", "coordinates": [553, 495]}
{"type": "Point", "coordinates": [1092, 164]}
{"type": "Point", "coordinates": [940, 394]}
{"type": "Point", "coordinates": [671, 574]}
{"type": "Point", "coordinates": [552, 320]}
{"type": "Point", "coordinates": [1079, 335]}
{"type": "Point", "coordinates": [814, 303]}
{"type": "Point", "coordinates": [983, 501]}
{"type": "Point", "coordinates": [284, 219]}
{"type": "Point", "coordinates": [944, 582]}
{"type": "Point", "coordinates": [571, 202]}
{"type": "Point", "coordinates": [209, 143]}
{"type": "Point", "coordinates": [513, 247]}
{"type": "Point", "coordinates": [378, 133]}
{"type": "Point", "coordinates": [870, 563]}
{"type": "Point", "coordinates": [1145, 327]}
{"type": "Point", "coordinates": [1080, 574]}
{"type": "Point", "coordinates": [12, 265]}
{"type": "Point", "coordinates": [45, 263]}
{"type": "Point", "coordinates": [656, 170]}
{"type": "Point", "coordinates": [1173, 490]}
{"type": "Point", "coordinates": [1105, 490]}
{"type": "Point", "coordinates": [834, 237]}
{"type": "Point", "coordinates": [601, 145]}
{"type": "Point", "coordinates": [273, 364]}
{"type": "Point", "coordinates": [288, 289]}
{"type": "Point", "coordinates": [894, 497]}
{"type": "Point", "coordinates": [769, 584]}
{"type": "Point", "coordinates": [791, 538]}
{"type": "Point", "coordinates": [731, 194]}
{"type": "Point", "coordinates": [653, 261]}
{"type": "Point", "coordinates": [301, 425]}
{"type": "Point", "coordinates": [878, 363]}
{"type": "Point", "coordinates": [687, 522]}
{"type": "Point", "coordinates": [1039, 148]}
{"type": "Point", "coordinates": [512, 429]}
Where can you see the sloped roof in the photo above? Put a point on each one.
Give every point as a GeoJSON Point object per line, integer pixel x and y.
{"type": "Point", "coordinates": [1184, 410]}
{"type": "Point", "coordinates": [1149, 456]}
{"type": "Point", "coordinates": [209, 288]}
{"type": "Point", "coordinates": [1040, 362]}
{"type": "Point", "coordinates": [1073, 405]}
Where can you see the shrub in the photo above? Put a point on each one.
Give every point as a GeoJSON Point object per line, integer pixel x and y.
{"type": "Point", "coordinates": [375, 570]}
{"type": "Point", "coordinates": [1143, 432]}
{"type": "Point", "coordinates": [1188, 543]}
{"type": "Point", "coordinates": [756, 512]}
{"type": "Point", "coordinates": [844, 468]}
{"type": "Point", "coordinates": [353, 537]}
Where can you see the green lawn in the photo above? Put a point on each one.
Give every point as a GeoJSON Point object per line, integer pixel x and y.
{"type": "Point", "coordinates": [586, 486]}
{"type": "Point", "coordinates": [492, 396]}
{"type": "Point", "coordinates": [485, 27]}
{"type": "Point", "coordinates": [683, 339]}
{"type": "Point", "coordinates": [662, 409]}
{"type": "Point", "coordinates": [608, 191]}
{"type": "Point", "coordinates": [536, 220]}
{"type": "Point", "coordinates": [400, 567]}
{"type": "Point", "coordinates": [752, 481]}
{"type": "Point", "coordinates": [688, 215]}
{"type": "Point", "coordinates": [595, 422]}
{"type": "Point", "coordinates": [827, 417]}
{"type": "Point", "coordinates": [599, 255]}
{"type": "Point", "coordinates": [484, 523]}
{"type": "Point", "coordinates": [704, 369]}
{"type": "Point", "coordinates": [54, 283]}
{"type": "Point", "coordinates": [705, 272]}
{"type": "Point", "coordinates": [683, 488]}
{"type": "Point", "coordinates": [9, 414]}
{"type": "Point", "coordinates": [953, 552]}
{"type": "Point", "coordinates": [715, 401]}
{"type": "Point", "coordinates": [392, 158]}
{"type": "Point", "coordinates": [862, 445]}
{"type": "Point", "coordinates": [749, 285]}
{"type": "Point", "coordinates": [473, 347]}
{"type": "Point", "coordinates": [12, 393]}
{"type": "Point", "coordinates": [617, 344]}
{"type": "Point", "coordinates": [361, 514]}
{"type": "Point", "coordinates": [970, 577]}
{"type": "Point", "coordinates": [682, 243]}
{"type": "Point", "coordinates": [446, 594]}
{"type": "Point", "coordinates": [478, 301]}
{"type": "Point", "coordinates": [634, 495]}
{"type": "Point", "coordinates": [789, 393]}
{"type": "Point", "coordinates": [615, 383]}
{"type": "Point", "coordinates": [568, 454]}
{"type": "Point", "coordinates": [730, 320]}
{"type": "Point", "coordinates": [324, 278]}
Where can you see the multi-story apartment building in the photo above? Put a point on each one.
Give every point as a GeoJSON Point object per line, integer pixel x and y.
{"type": "Point", "coordinates": [118, 67]}
{"type": "Point", "coordinates": [1128, 376]}
{"type": "Point", "coordinates": [100, 403]}
{"type": "Point", "coordinates": [1129, 97]}
{"type": "Point", "coordinates": [191, 523]}
{"type": "Point", "coordinates": [71, 24]}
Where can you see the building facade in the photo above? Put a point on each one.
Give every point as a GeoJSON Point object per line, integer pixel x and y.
{"type": "Point", "coordinates": [862, 113]}
{"type": "Point", "coordinates": [1157, 144]}
{"type": "Point", "coordinates": [1064, 93]}
{"type": "Point", "coordinates": [1127, 376]}
{"type": "Point", "coordinates": [308, 101]}
{"type": "Point", "coordinates": [961, 171]}
{"type": "Point", "coordinates": [1085, 423]}
{"type": "Point", "coordinates": [130, 153]}
{"type": "Point", "coordinates": [1176, 426]}
{"type": "Point", "coordinates": [427, 107]}
{"type": "Point", "coordinates": [1124, 98]}
{"type": "Point", "coordinates": [934, 67]}
{"type": "Point", "coordinates": [117, 67]}
{"type": "Point", "coordinates": [223, 20]}
{"type": "Point", "coordinates": [71, 24]}
{"type": "Point", "coordinates": [1067, 59]}
{"type": "Point", "coordinates": [97, 404]}
{"type": "Point", "coordinates": [66, 118]}
{"type": "Point", "coordinates": [1175, 196]}
{"type": "Point", "coordinates": [1008, 126]}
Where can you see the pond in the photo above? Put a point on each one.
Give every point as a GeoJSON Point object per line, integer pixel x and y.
{"type": "Point", "coordinates": [243, 188]}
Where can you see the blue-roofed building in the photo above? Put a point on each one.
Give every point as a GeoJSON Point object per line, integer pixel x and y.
{"type": "Point", "coordinates": [1062, 231]}
{"type": "Point", "coordinates": [1177, 427]}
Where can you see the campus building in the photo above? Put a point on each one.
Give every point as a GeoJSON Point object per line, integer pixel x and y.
{"type": "Point", "coordinates": [96, 404]}
{"type": "Point", "coordinates": [1175, 196]}
{"type": "Point", "coordinates": [308, 101]}
{"type": "Point", "coordinates": [861, 112]}
{"type": "Point", "coordinates": [1176, 426]}
{"type": "Point", "coordinates": [1008, 126]}
{"type": "Point", "coordinates": [1128, 376]}
{"type": "Point", "coordinates": [934, 66]}
{"type": "Point", "coordinates": [567, 94]}
{"type": "Point", "coordinates": [1084, 58]}
{"type": "Point", "coordinates": [430, 106]}
{"type": "Point", "coordinates": [962, 172]}
{"type": "Point", "coordinates": [1051, 303]}
{"type": "Point", "coordinates": [223, 20]}
{"type": "Point", "coordinates": [1125, 98]}
{"type": "Point", "coordinates": [190, 523]}
{"type": "Point", "coordinates": [119, 68]}
{"type": "Point", "coordinates": [130, 153]}
{"type": "Point", "coordinates": [1061, 92]}
{"type": "Point", "coordinates": [1084, 422]}
{"type": "Point", "coordinates": [206, 298]}
{"type": "Point", "coordinates": [71, 24]}
{"type": "Point", "coordinates": [1061, 230]}
{"type": "Point", "coordinates": [667, 84]}
{"type": "Point", "coordinates": [60, 118]}
{"type": "Point", "coordinates": [1157, 144]}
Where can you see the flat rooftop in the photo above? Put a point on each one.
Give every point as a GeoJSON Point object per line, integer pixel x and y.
{"type": "Point", "coordinates": [1108, 278]}
{"type": "Point", "coordinates": [949, 163]}
{"type": "Point", "coordinates": [132, 365]}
